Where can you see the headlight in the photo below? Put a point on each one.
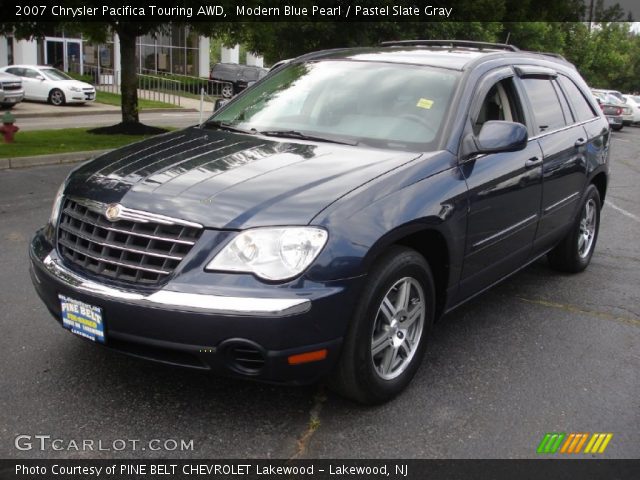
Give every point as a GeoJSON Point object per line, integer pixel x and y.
{"type": "Point", "coordinates": [271, 253]}
{"type": "Point", "coordinates": [75, 89]}
{"type": "Point", "coordinates": [57, 204]}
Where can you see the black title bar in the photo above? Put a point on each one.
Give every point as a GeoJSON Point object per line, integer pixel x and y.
{"type": "Point", "coordinates": [321, 469]}
{"type": "Point", "coordinates": [298, 10]}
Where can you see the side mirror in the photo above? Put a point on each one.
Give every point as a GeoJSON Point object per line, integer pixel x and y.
{"type": "Point", "coordinates": [496, 136]}
{"type": "Point", "coordinates": [221, 102]}
{"type": "Point", "coordinates": [40, 77]}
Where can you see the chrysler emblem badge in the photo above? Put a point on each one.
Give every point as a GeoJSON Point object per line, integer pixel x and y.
{"type": "Point", "coordinates": [112, 212]}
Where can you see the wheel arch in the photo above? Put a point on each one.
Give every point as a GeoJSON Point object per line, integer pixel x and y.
{"type": "Point", "coordinates": [428, 242]}
{"type": "Point", "coordinates": [600, 182]}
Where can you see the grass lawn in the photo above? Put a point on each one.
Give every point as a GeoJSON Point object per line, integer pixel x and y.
{"type": "Point", "coordinates": [42, 142]}
{"type": "Point", "coordinates": [114, 99]}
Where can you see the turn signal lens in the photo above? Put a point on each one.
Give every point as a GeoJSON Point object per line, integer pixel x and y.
{"type": "Point", "coordinates": [307, 357]}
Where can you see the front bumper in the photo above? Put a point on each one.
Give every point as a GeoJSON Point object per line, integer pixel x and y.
{"type": "Point", "coordinates": [205, 330]}
{"type": "Point", "coordinates": [11, 97]}
{"type": "Point", "coordinates": [80, 97]}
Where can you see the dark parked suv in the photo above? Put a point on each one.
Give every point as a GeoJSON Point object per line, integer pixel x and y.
{"type": "Point", "coordinates": [237, 77]}
{"type": "Point", "coordinates": [317, 225]}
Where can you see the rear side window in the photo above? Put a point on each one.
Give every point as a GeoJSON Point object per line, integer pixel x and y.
{"type": "Point", "coordinates": [250, 74]}
{"type": "Point", "coordinates": [547, 111]}
{"type": "Point", "coordinates": [581, 107]}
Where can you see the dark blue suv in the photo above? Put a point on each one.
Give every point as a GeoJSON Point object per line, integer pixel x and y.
{"type": "Point", "coordinates": [318, 224]}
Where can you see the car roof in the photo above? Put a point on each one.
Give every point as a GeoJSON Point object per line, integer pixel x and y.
{"type": "Point", "coordinates": [236, 65]}
{"type": "Point", "coordinates": [448, 55]}
{"type": "Point", "coordinates": [28, 66]}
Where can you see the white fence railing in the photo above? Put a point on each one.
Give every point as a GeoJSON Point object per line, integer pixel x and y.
{"type": "Point", "coordinates": [158, 86]}
{"type": "Point", "coordinates": [192, 86]}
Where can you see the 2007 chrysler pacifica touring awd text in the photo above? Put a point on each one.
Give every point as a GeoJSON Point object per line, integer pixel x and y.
{"type": "Point", "coordinates": [319, 223]}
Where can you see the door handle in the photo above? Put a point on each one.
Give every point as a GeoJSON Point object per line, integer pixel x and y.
{"type": "Point", "coordinates": [580, 142]}
{"type": "Point", "coordinates": [532, 162]}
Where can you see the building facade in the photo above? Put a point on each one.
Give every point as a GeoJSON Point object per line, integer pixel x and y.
{"type": "Point", "coordinates": [178, 51]}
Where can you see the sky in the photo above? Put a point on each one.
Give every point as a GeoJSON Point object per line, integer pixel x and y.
{"type": "Point", "coordinates": [632, 6]}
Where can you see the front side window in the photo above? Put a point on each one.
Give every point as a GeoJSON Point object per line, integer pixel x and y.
{"type": "Point", "coordinates": [55, 74]}
{"type": "Point", "coordinates": [29, 73]}
{"type": "Point", "coordinates": [378, 104]}
{"type": "Point", "coordinates": [547, 111]}
{"type": "Point", "coordinates": [500, 103]}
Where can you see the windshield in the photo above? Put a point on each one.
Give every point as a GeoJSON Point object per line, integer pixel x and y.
{"type": "Point", "coordinates": [55, 74]}
{"type": "Point", "coordinates": [377, 104]}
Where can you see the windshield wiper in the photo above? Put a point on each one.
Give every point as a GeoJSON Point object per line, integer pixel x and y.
{"type": "Point", "coordinates": [227, 126]}
{"type": "Point", "coordinates": [304, 136]}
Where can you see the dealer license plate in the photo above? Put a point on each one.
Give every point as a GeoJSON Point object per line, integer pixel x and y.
{"type": "Point", "coordinates": [82, 319]}
{"type": "Point", "coordinates": [611, 120]}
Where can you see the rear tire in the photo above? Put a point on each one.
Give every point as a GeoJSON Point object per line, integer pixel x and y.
{"type": "Point", "coordinates": [617, 128]}
{"type": "Point", "coordinates": [574, 252]}
{"type": "Point", "coordinates": [228, 91]}
{"type": "Point", "coordinates": [386, 341]}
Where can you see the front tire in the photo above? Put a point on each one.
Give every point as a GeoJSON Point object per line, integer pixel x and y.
{"type": "Point", "coordinates": [386, 340]}
{"type": "Point", "coordinates": [574, 252]}
{"type": "Point", "coordinates": [56, 97]}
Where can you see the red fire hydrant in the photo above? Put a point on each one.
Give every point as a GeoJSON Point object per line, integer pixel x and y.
{"type": "Point", "coordinates": [8, 129]}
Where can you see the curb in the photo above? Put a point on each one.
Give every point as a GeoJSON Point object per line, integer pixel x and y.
{"type": "Point", "coordinates": [52, 159]}
{"type": "Point", "coordinates": [19, 115]}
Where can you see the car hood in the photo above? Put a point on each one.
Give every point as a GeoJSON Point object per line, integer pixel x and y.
{"type": "Point", "coordinates": [72, 83]}
{"type": "Point", "coordinates": [228, 180]}
{"type": "Point", "coordinates": [8, 77]}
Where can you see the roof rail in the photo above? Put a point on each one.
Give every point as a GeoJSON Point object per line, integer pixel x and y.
{"type": "Point", "coordinates": [551, 54]}
{"type": "Point", "coordinates": [451, 43]}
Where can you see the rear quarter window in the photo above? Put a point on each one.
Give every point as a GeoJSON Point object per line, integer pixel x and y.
{"type": "Point", "coordinates": [581, 107]}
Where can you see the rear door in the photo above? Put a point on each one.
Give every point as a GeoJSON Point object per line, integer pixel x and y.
{"type": "Point", "coordinates": [504, 191]}
{"type": "Point", "coordinates": [34, 86]}
{"type": "Point", "coordinates": [563, 142]}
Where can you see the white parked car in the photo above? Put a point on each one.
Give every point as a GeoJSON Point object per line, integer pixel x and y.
{"type": "Point", "coordinates": [634, 102]}
{"type": "Point", "coordinates": [48, 84]}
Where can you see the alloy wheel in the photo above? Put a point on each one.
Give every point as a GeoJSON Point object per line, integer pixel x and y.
{"type": "Point", "coordinates": [587, 230]}
{"type": "Point", "coordinates": [398, 328]}
{"type": "Point", "coordinates": [57, 97]}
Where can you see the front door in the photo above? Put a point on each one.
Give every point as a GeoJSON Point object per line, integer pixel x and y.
{"type": "Point", "coordinates": [504, 193]}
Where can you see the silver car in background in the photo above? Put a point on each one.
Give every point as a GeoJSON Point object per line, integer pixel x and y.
{"type": "Point", "coordinates": [11, 91]}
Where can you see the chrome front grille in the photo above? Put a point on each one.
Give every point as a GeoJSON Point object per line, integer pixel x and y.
{"type": "Point", "coordinates": [11, 86]}
{"type": "Point", "coordinates": [138, 248]}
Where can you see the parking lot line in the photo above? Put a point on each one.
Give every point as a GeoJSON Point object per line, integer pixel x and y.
{"type": "Point", "coordinates": [576, 309]}
{"type": "Point", "coordinates": [624, 212]}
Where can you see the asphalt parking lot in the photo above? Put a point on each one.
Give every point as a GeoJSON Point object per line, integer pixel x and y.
{"type": "Point", "coordinates": [542, 352]}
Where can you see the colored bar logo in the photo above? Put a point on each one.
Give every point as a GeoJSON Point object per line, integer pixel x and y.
{"type": "Point", "coordinates": [573, 443]}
